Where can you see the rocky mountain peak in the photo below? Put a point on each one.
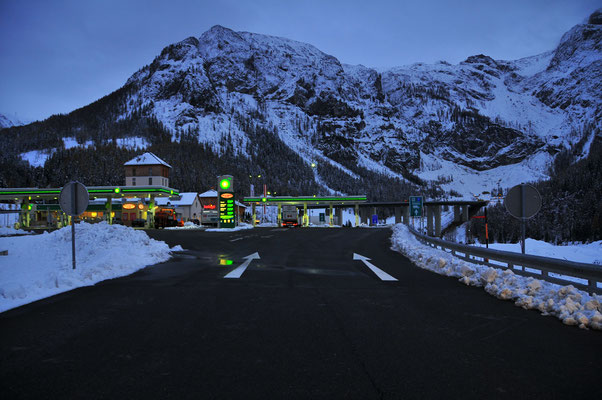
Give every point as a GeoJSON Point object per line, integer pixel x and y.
{"type": "Point", "coordinates": [580, 45]}
{"type": "Point", "coordinates": [482, 120]}
{"type": "Point", "coordinates": [595, 18]}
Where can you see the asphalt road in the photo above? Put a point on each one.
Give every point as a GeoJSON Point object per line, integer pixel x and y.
{"type": "Point", "coordinates": [303, 321]}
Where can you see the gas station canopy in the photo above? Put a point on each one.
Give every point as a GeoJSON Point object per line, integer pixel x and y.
{"type": "Point", "coordinates": [309, 201]}
{"type": "Point", "coordinates": [94, 192]}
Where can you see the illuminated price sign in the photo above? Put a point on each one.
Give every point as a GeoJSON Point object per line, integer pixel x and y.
{"type": "Point", "coordinates": [226, 210]}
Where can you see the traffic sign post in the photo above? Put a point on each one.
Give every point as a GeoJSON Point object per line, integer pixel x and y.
{"type": "Point", "coordinates": [74, 200]}
{"type": "Point", "coordinates": [226, 199]}
{"type": "Point", "coordinates": [416, 206]}
{"type": "Point", "coordinates": [523, 202]}
{"type": "Point", "coordinates": [416, 209]}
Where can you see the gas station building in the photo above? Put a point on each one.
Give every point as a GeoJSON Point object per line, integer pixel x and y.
{"type": "Point", "coordinates": [147, 178]}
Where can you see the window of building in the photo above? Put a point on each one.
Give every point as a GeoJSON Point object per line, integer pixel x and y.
{"type": "Point", "coordinates": [150, 181]}
{"type": "Point", "coordinates": [133, 181]}
{"type": "Point", "coordinates": [150, 171]}
{"type": "Point", "coordinates": [133, 171]}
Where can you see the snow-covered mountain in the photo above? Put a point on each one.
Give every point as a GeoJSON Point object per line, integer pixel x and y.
{"type": "Point", "coordinates": [470, 127]}
{"type": "Point", "coordinates": [7, 121]}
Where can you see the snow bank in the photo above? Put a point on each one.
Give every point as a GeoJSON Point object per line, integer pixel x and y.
{"type": "Point", "coordinates": [40, 266]}
{"type": "Point", "coordinates": [8, 231]}
{"type": "Point", "coordinates": [572, 306]}
{"type": "Point", "coordinates": [240, 227]}
{"type": "Point", "coordinates": [587, 253]}
{"type": "Point", "coordinates": [187, 226]}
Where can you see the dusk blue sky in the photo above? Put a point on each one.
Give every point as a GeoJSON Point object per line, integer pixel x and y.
{"type": "Point", "coordinates": [61, 55]}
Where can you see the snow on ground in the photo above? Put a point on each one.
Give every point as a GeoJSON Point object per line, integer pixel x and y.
{"type": "Point", "coordinates": [572, 306]}
{"type": "Point", "coordinates": [9, 231]}
{"type": "Point", "coordinates": [240, 227]}
{"type": "Point", "coordinates": [585, 253]}
{"type": "Point", "coordinates": [37, 158]}
{"type": "Point", "coordinates": [187, 226]}
{"type": "Point", "coordinates": [71, 142]}
{"type": "Point", "coordinates": [470, 182]}
{"type": "Point", "coordinates": [39, 266]}
{"type": "Point", "coordinates": [9, 219]}
{"type": "Point", "coordinates": [132, 143]}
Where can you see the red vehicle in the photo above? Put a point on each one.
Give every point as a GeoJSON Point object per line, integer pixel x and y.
{"type": "Point", "coordinates": [165, 218]}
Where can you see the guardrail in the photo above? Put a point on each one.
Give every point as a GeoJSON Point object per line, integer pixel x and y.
{"type": "Point", "coordinates": [524, 264]}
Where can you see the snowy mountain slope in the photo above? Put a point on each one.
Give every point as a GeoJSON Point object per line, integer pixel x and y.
{"type": "Point", "coordinates": [469, 127]}
{"type": "Point", "coordinates": [7, 121]}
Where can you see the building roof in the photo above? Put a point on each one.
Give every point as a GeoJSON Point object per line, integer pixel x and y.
{"type": "Point", "coordinates": [186, 199]}
{"type": "Point", "coordinates": [209, 193]}
{"type": "Point", "coordinates": [147, 159]}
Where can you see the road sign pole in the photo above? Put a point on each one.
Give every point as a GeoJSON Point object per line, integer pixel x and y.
{"type": "Point", "coordinates": [486, 230]}
{"type": "Point", "coordinates": [523, 202]}
{"type": "Point", "coordinates": [523, 223]}
{"type": "Point", "coordinates": [74, 206]}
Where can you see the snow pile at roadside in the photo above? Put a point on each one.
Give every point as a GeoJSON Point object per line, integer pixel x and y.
{"type": "Point", "coordinates": [187, 226]}
{"type": "Point", "coordinates": [586, 253]}
{"type": "Point", "coordinates": [40, 266]}
{"type": "Point", "coordinates": [8, 231]}
{"type": "Point", "coordinates": [572, 306]}
{"type": "Point", "coordinates": [240, 227]}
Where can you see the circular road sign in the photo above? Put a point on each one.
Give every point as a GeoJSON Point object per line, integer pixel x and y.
{"type": "Point", "coordinates": [523, 201]}
{"type": "Point", "coordinates": [74, 199]}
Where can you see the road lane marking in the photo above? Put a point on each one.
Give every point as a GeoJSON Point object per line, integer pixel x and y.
{"type": "Point", "coordinates": [379, 272]}
{"type": "Point", "coordinates": [234, 240]}
{"type": "Point", "coordinates": [238, 271]}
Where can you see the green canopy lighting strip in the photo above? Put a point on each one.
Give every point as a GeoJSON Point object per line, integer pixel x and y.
{"type": "Point", "coordinates": [303, 199]}
{"type": "Point", "coordinates": [30, 192]}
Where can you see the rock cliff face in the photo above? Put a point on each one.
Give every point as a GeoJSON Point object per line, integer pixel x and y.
{"type": "Point", "coordinates": [478, 124]}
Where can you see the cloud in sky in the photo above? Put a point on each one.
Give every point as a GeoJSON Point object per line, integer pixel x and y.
{"type": "Point", "coordinates": [64, 54]}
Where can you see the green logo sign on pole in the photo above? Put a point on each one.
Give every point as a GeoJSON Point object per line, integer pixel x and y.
{"type": "Point", "coordinates": [226, 202]}
{"type": "Point", "coordinates": [415, 206]}
{"type": "Point", "coordinates": [225, 183]}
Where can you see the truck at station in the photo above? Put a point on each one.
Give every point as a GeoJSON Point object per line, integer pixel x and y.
{"type": "Point", "coordinates": [290, 216]}
{"type": "Point", "coordinates": [165, 218]}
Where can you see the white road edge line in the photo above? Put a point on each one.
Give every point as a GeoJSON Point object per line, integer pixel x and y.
{"type": "Point", "coordinates": [234, 240]}
{"type": "Point", "coordinates": [238, 271]}
{"type": "Point", "coordinates": [379, 272]}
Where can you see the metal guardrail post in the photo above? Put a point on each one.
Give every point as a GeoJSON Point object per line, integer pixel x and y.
{"type": "Point", "coordinates": [589, 272]}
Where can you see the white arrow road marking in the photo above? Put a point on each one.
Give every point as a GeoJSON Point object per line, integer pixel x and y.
{"type": "Point", "coordinates": [379, 272]}
{"type": "Point", "coordinates": [238, 271]}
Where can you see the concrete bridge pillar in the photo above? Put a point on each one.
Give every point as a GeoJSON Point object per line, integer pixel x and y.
{"type": "Point", "coordinates": [465, 213]}
{"type": "Point", "coordinates": [406, 215]}
{"type": "Point", "coordinates": [457, 216]}
{"type": "Point", "coordinates": [437, 221]}
{"type": "Point", "coordinates": [397, 215]}
{"type": "Point", "coordinates": [429, 220]}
